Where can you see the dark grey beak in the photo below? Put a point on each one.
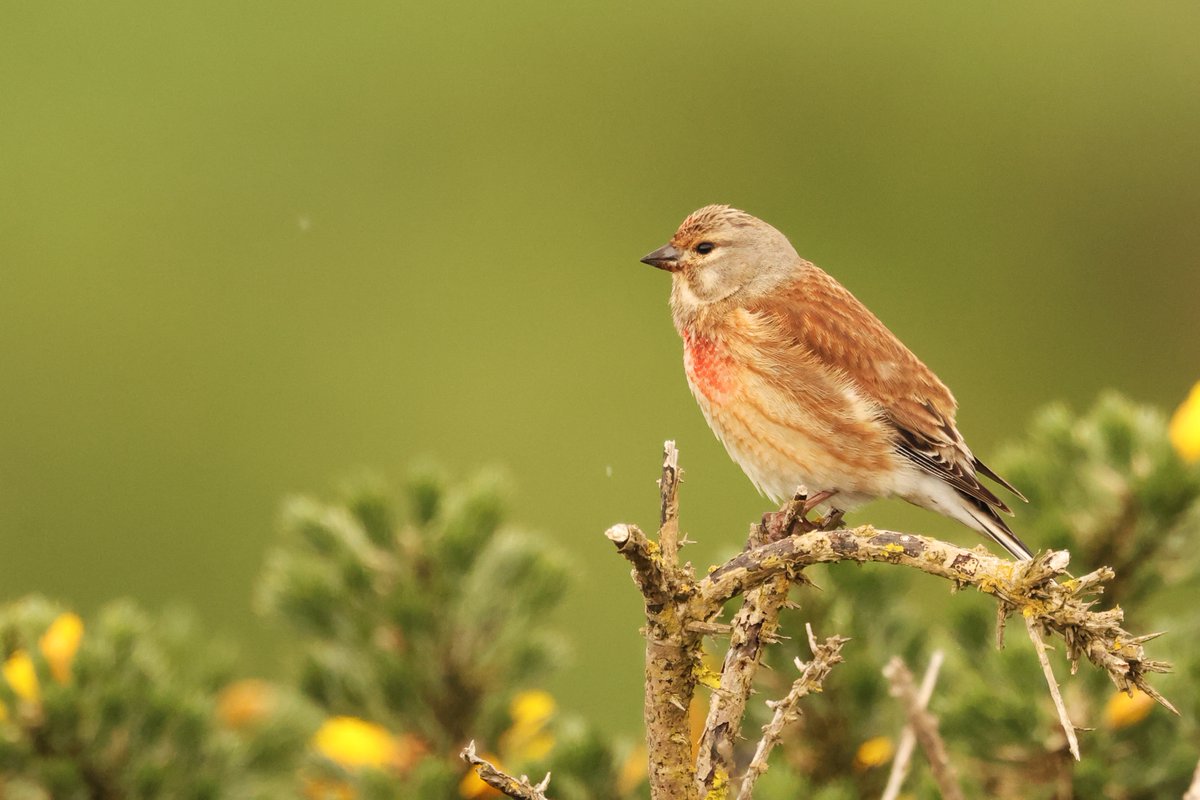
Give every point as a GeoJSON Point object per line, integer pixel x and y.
{"type": "Point", "coordinates": [665, 257]}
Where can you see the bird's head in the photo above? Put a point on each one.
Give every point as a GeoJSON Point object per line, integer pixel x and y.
{"type": "Point", "coordinates": [720, 253]}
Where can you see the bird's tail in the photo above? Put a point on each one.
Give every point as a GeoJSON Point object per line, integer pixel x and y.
{"type": "Point", "coordinates": [987, 520]}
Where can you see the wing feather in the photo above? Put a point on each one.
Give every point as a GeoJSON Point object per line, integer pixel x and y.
{"type": "Point", "coordinates": [822, 316]}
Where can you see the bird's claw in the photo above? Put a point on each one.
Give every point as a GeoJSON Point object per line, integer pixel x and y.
{"type": "Point", "coordinates": [793, 517]}
{"type": "Point", "coordinates": [832, 520]}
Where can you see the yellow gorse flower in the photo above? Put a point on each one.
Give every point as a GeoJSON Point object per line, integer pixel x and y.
{"type": "Point", "coordinates": [633, 770]}
{"type": "Point", "coordinates": [528, 738]}
{"type": "Point", "coordinates": [353, 742]}
{"type": "Point", "coordinates": [1184, 429]}
{"type": "Point", "coordinates": [1123, 710]}
{"type": "Point", "coordinates": [874, 753]}
{"type": "Point", "coordinates": [19, 671]}
{"type": "Point", "coordinates": [532, 708]}
{"type": "Point", "coordinates": [59, 644]}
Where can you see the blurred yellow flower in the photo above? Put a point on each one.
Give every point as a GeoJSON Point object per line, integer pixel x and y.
{"type": "Point", "coordinates": [3, 712]}
{"type": "Point", "coordinates": [354, 742]}
{"type": "Point", "coordinates": [59, 644]}
{"type": "Point", "coordinates": [244, 703]}
{"type": "Point", "coordinates": [874, 753]}
{"type": "Point", "coordinates": [528, 739]}
{"type": "Point", "coordinates": [1185, 427]}
{"type": "Point", "coordinates": [532, 708]}
{"type": "Point", "coordinates": [472, 786]}
{"type": "Point", "coordinates": [19, 671]}
{"type": "Point", "coordinates": [633, 770]}
{"type": "Point", "coordinates": [1123, 710]}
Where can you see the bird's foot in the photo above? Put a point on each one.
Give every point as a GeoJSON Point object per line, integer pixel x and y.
{"type": "Point", "coordinates": [832, 520]}
{"type": "Point", "coordinates": [793, 517]}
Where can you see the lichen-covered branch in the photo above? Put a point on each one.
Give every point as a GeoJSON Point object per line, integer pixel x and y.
{"type": "Point", "coordinates": [672, 658]}
{"type": "Point", "coordinates": [787, 710]}
{"type": "Point", "coordinates": [519, 788]}
{"type": "Point", "coordinates": [1065, 606]}
{"type": "Point", "coordinates": [672, 646]}
{"type": "Point", "coordinates": [645, 556]}
{"type": "Point", "coordinates": [681, 609]}
{"type": "Point", "coordinates": [925, 728]}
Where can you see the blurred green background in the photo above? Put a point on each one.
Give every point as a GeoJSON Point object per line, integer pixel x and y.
{"type": "Point", "coordinates": [250, 249]}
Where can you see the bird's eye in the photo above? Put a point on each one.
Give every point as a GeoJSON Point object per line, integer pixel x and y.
{"type": "Point", "coordinates": [705, 247]}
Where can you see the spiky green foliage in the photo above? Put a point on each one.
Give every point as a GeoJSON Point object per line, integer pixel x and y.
{"type": "Point", "coordinates": [136, 717]}
{"type": "Point", "coordinates": [428, 628]}
{"type": "Point", "coordinates": [1105, 485]}
{"type": "Point", "coordinates": [431, 622]}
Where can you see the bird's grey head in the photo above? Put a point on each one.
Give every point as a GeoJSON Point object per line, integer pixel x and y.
{"type": "Point", "coordinates": [720, 253]}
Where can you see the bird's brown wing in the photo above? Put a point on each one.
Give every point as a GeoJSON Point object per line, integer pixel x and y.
{"type": "Point", "coordinates": [822, 316]}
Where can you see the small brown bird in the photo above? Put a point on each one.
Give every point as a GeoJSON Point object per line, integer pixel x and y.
{"type": "Point", "coordinates": [806, 387]}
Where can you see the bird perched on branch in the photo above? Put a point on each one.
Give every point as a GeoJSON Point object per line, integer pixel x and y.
{"type": "Point", "coordinates": [806, 387]}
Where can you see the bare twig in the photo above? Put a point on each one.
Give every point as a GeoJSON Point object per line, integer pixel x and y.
{"type": "Point", "coordinates": [1193, 792]}
{"type": "Point", "coordinates": [925, 727]}
{"type": "Point", "coordinates": [1055, 694]}
{"type": "Point", "coordinates": [519, 788]}
{"type": "Point", "coordinates": [787, 710]}
{"type": "Point", "coordinates": [908, 737]}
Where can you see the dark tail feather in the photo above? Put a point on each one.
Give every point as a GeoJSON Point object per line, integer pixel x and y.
{"type": "Point", "coordinates": [986, 470]}
{"type": "Point", "coordinates": [994, 526]}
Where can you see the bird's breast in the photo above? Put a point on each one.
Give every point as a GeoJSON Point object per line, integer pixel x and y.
{"type": "Point", "coordinates": [786, 419]}
{"type": "Point", "coordinates": [708, 364]}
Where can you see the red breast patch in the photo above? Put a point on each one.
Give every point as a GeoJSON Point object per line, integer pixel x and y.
{"type": "Point", "coordinates": [707, 364]}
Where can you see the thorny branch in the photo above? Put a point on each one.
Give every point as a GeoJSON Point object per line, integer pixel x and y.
{"type": "Point", "coordinates": [519, 788]}
{"type": "Point", "coordinates": [672, 646]}
{"type": "Point", "coordinates": [787, 710]}
{"type": "Point", "coordinates": [672, 660]}
{"type": "Point", "coordinates": [1032, 587]}
{"type": "Point", "coordinates": [753, 628]}
{"type": "Point", "coordinates": [681, 610]}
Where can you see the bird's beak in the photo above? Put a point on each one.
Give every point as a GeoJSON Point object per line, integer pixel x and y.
{"type": "Point", "coordinates": [665, 257]}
